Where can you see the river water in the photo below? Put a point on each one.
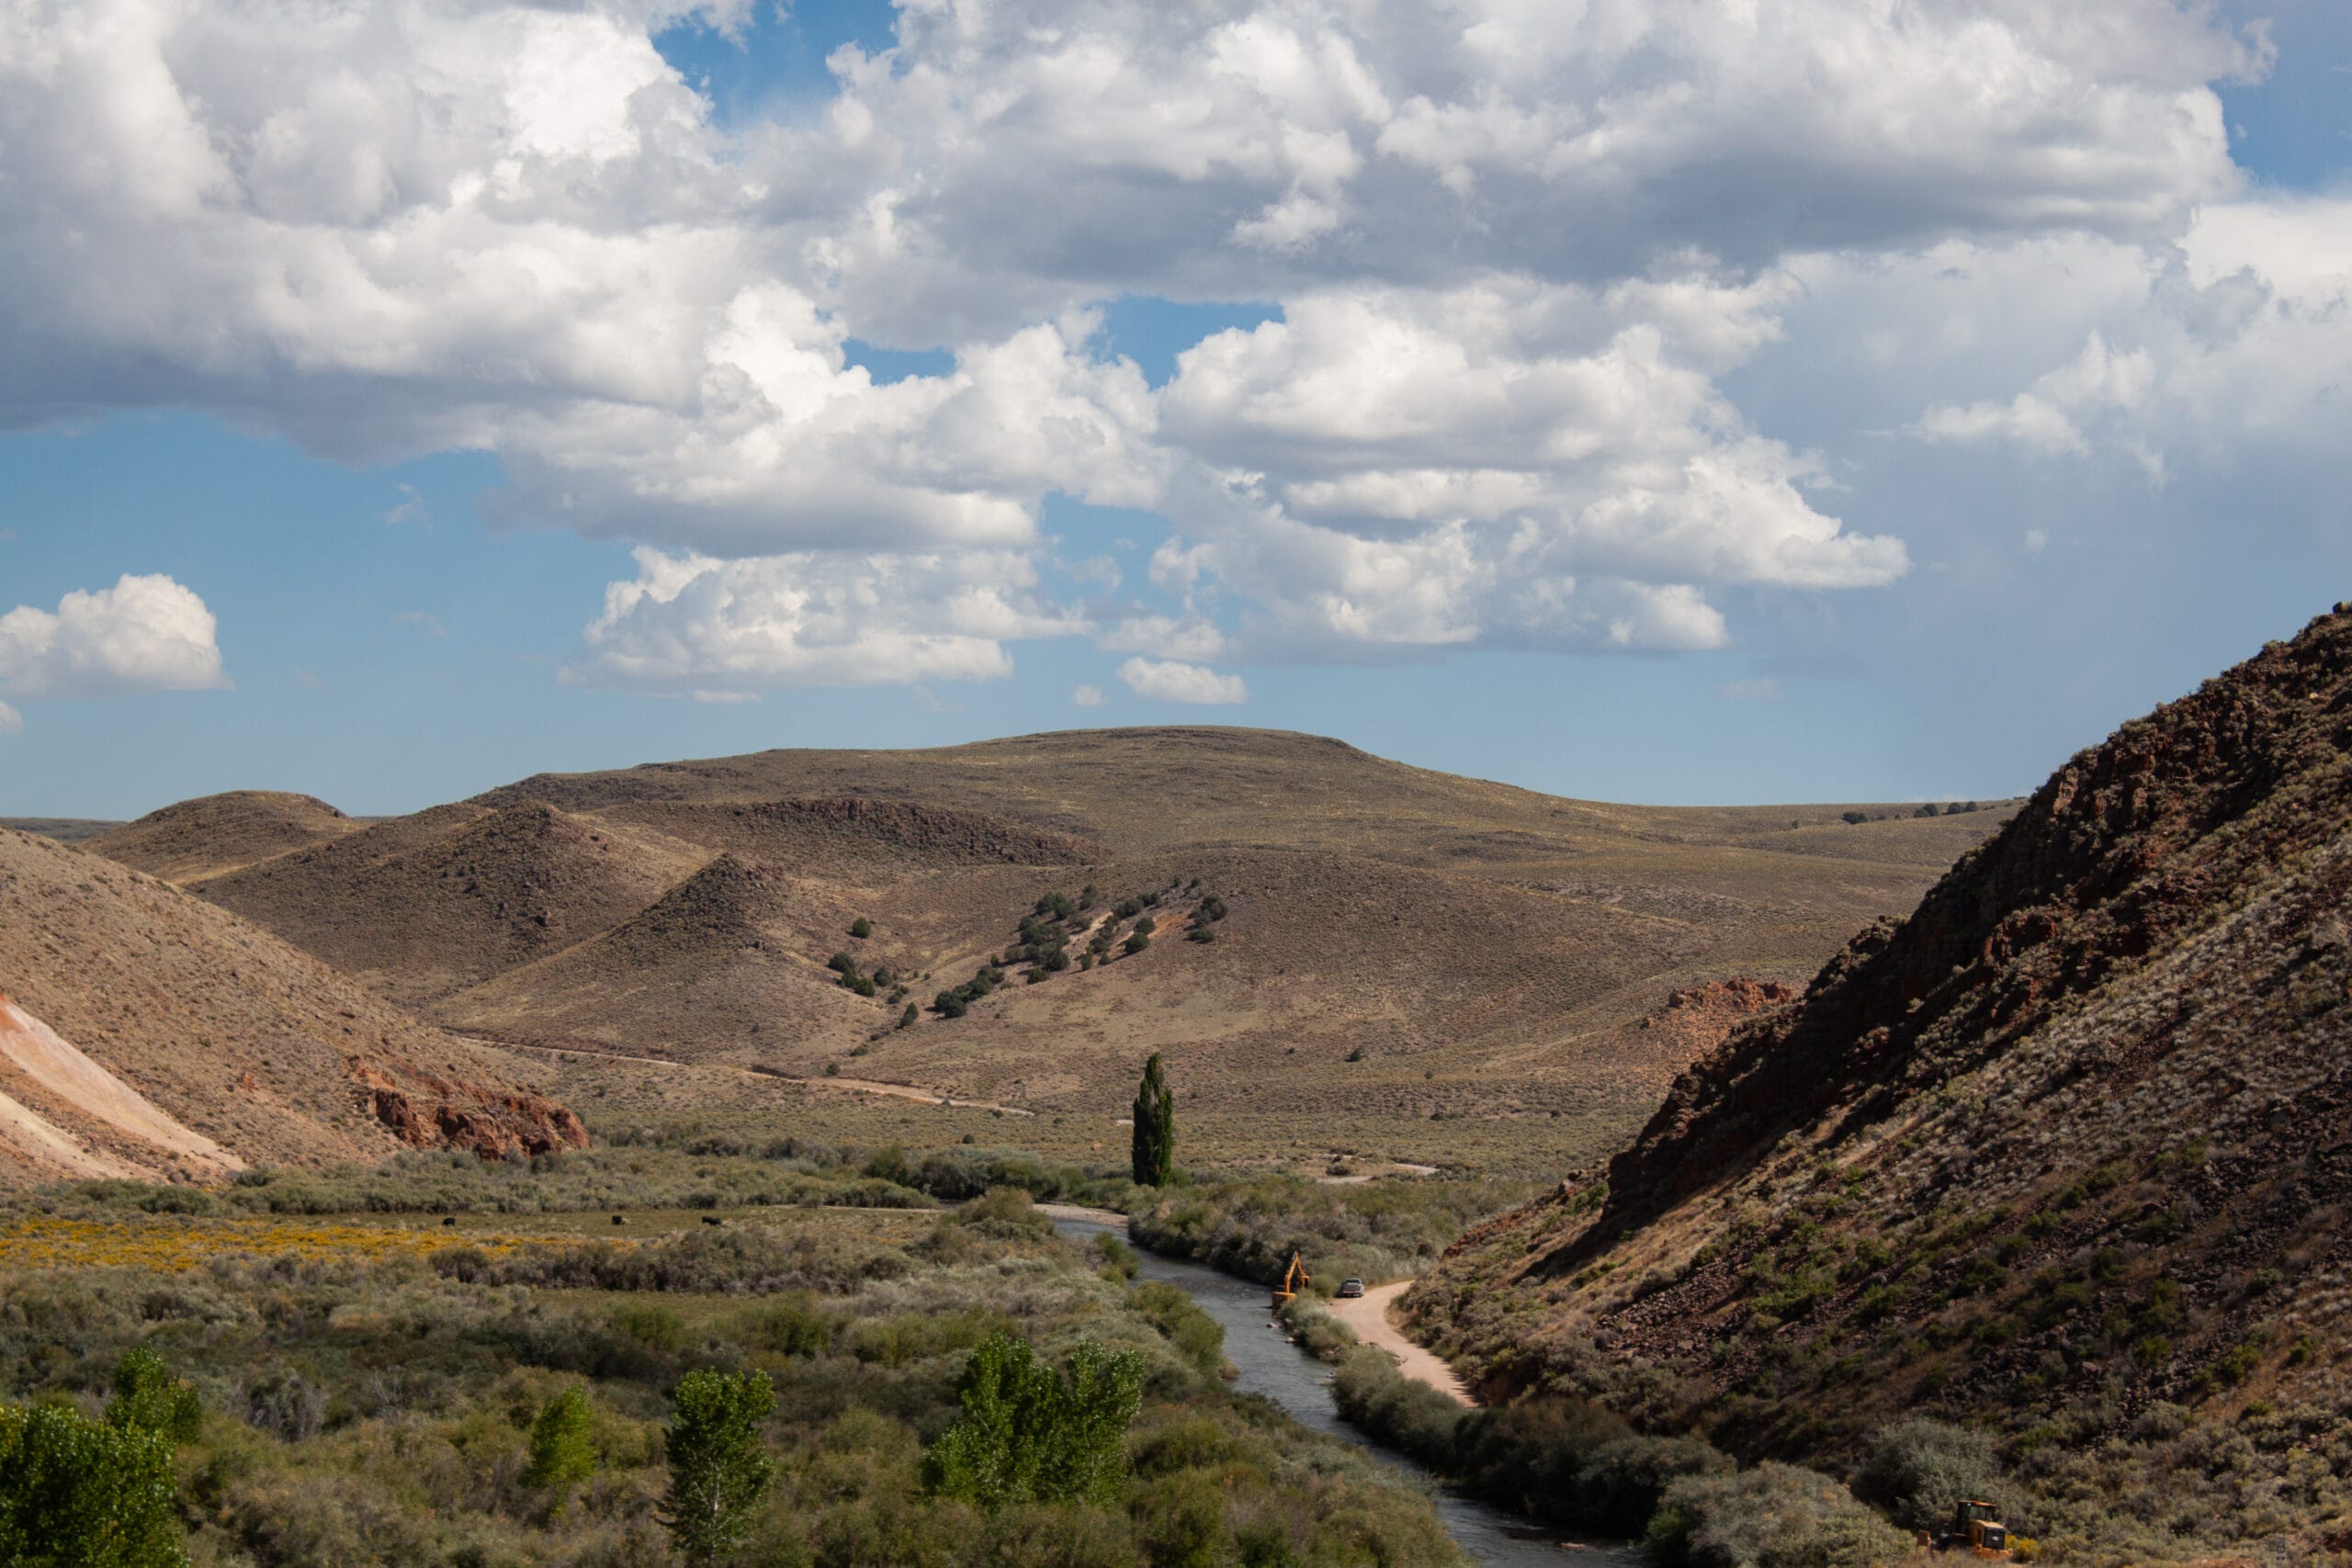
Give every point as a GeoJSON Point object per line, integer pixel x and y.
{"type": "Point", "coordinates": [1270, 1365]}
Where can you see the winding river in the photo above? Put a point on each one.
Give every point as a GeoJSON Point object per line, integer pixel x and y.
{"type": "Point", "coordinates": [1270, 1365]}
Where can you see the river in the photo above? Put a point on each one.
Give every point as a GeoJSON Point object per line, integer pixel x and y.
{"type": "Point", "coordinates": [1270, 1365]}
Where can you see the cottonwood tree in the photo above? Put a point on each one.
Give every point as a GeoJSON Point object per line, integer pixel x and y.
{"type": "Point", "coordinates": [1028, 1434]}
{"type": "Point", "coordinates": [81, 1494]}
{"type": "Point", "coordinates": [147, 1395]}
{"type": "Point", "coordinates": [1155, 1129]}
{"type": "Point", "coordinates": [719, 1465]}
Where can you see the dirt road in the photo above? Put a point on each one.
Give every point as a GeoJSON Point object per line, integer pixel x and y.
{"type": "Point", "coordinates": [1368, 1315]}
{"type": "Point", "coordinates": [847, 1086]}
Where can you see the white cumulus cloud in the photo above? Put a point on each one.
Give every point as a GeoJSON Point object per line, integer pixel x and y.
{"type": "Point", "coordinates": [1520, 251]}
{"type": "Point", "coordinates": [1086, 694]}
{"type": "Point", "coordinates": [144, 634]}
{"type": "Point", "coordinates": [1169, 681]}
{"type": "Point", "coordinates": [695, 625]}
{"type": "Point", "coordinates": [11, 721]}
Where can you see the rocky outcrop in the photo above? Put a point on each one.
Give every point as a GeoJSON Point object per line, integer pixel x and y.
{"type": "Point", "coordinates": [495, 1122]}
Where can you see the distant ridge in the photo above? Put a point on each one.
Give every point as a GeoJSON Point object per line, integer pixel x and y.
{"type": "Point", "coordinates": [1403, 945]}
{"type": "Point", "coordinates": [219, 833]}
{"type": "Point", "coordinates": [63, 830]}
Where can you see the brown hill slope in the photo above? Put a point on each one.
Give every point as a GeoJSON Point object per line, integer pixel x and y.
{"type": "Point", "coordinates": [720, 967]}
{"type": "Point", "coordinates": [851, 837]}
{"type": "Point", "coordinates": [138, 1009]}
{"type": "Point", "coordinates": [220, 832]}
{"type": "Point", "coordinates": [1141, 791]}
{"type": "Point", "coordinates": [1322, 956]}
{"type": "Point", "coordinates": [1483, 951]}
{"type": "Point", "coordinates": [423, 905]}
{"type": "Point", "coordinates": [2064, 1154]}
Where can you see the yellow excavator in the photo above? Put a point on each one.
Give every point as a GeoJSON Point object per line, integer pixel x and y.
{"type": "Point", "coordinates": [1293, 1281]}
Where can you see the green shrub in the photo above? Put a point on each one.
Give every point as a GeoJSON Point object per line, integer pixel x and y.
{"type": "Point", "coordinates": [1775, 1516]}
{"type": "Point", "coordinates": [860, 927]}
{"type": "Point", "coordinates": [1006, 1212]}
{"type": "Point", "coordinates": [147, 1395]}
{"type": "Point", "coordinates": [1027, 1434]}
{"type": "Point", "coordinates": [1917, 1470]}
{"type": "Point", "coordinates": [1197, 1336]}
{"type": "Point", "coordinates": [789, 1325]}
{"type": "Point", "coordinates": [1137, 940]}
{"type": "Point", "coordinates": [1118, 1258]}
{"type": "Point", "coordinates": [650, 1323]}
{"type": "Point", "coordinates": [81, 1494]}
{"type": "Point", "coordinates": [1412, 1417]}
{"type": "Point", "coordinates": [563, 1448]}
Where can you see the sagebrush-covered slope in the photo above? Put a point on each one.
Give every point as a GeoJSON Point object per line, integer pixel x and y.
{"type": "Point", "coordinates": [1403, 943]}
{"type": "Point", "coordinates": [224, 1030]}
{"type": "Point", "coordinates": [2066, 1152]}
{"type": "Point", "coordinates": [427, 905]}
{"type": "Point", "coordinates": [218, 833]}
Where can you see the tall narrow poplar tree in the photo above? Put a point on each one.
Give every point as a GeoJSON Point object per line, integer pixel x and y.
{"type": "Point", "coordinates": [1155, 1132]}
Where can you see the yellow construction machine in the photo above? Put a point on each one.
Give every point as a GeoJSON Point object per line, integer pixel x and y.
{"type": "Point", "coordinates": [1294, 1282]}
{"type": "Point", "coordinates": [1977, 1529]}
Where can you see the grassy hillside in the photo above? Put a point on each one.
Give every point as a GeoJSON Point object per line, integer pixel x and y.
{"type": "Point", "coordinates": [2061, 1158]}
{"type": "Point", "coordinates": [1402, 952]}
{"type": "Point", "coordinates": [219, 833]}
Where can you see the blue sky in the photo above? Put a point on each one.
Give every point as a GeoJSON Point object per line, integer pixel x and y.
{"type": "Point", "coordinates": [841, 411]}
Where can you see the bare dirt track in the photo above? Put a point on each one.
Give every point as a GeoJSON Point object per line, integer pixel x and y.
{"type": "Point", "coordinates": [1368, 1315]}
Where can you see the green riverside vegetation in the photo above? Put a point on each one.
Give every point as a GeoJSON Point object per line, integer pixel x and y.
{"type": "Point", "coordinates": [312, 1371]}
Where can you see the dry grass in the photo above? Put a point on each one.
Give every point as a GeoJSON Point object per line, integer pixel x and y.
{"type": "Point", "coordinates": [1450, 970]}
{"type": "Point", "coordinates": [227, 1028]}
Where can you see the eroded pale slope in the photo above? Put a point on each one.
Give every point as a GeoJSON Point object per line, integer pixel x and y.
{"type": "Point", "coordinates": [229, 1032]}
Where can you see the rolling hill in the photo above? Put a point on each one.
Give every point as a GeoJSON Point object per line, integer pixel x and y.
{"type": "Point", "coordinates": [219, 833]}
{"type": "Point", "coordinates": [2063, 1155]}
{"type": "Point", "coordinates": [1402, 947]}
{"type": "Point", "coordinates": [147, 1033]}
{"type": "Point", "coordinates": [425, 906]}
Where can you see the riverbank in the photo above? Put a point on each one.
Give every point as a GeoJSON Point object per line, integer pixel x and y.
{"type": "Point", "coordinates": [1268, 1362]}
{"type": "Point", "coordinates": [1367, 1316]}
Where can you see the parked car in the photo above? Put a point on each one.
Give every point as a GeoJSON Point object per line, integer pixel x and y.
{"type": "Point", "coordinates": [1352, 1287]}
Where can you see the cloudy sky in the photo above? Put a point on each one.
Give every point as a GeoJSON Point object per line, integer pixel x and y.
{"type": "Point", "coordinates": [1730, 400]}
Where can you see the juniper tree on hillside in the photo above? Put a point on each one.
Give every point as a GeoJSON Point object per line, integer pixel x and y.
{"type": "Point", "coordinates": [1155, 1133]}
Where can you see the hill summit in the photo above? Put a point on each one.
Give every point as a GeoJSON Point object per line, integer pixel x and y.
{"type": "Point", "coordinates": [2065, 1154]}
